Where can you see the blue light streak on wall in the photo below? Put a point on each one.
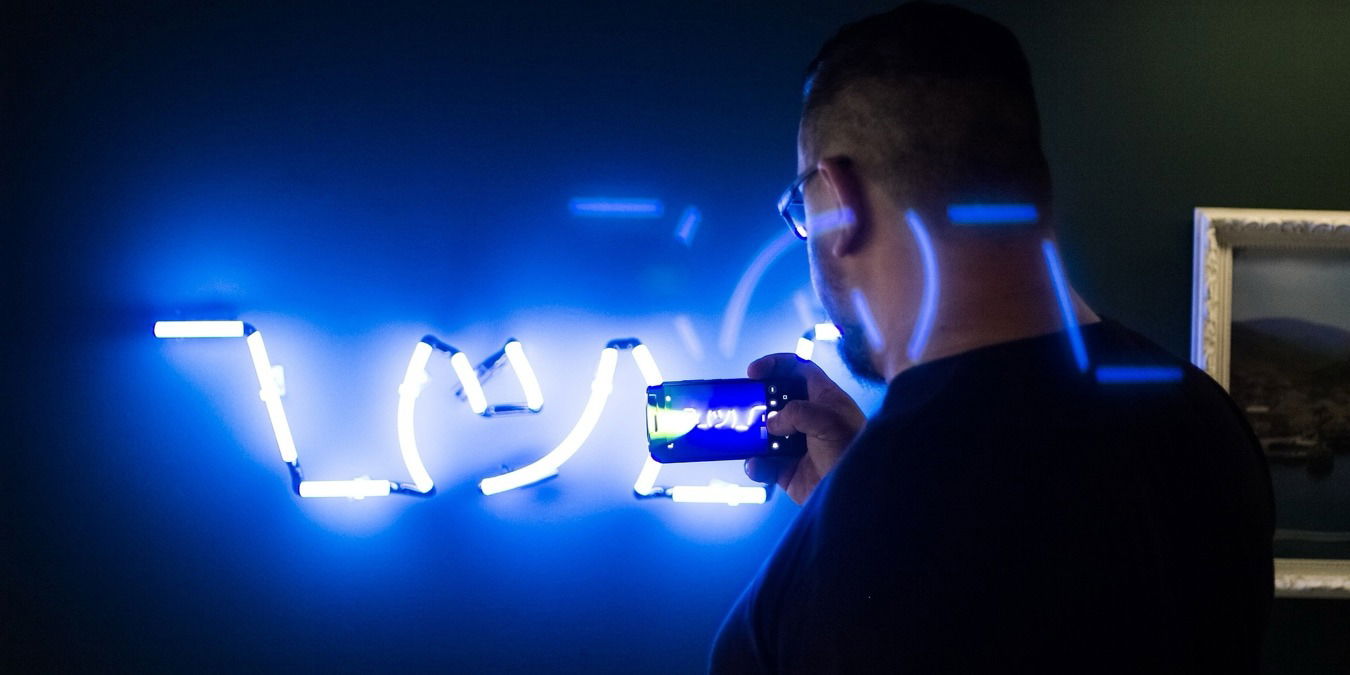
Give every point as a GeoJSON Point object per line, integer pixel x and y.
{"type": "Point", "coordinates": [610, 207]}
{"type": "Point", "coordinates": [688, 224]}
{"type": "Point", "coordinates": [992, 214]}
{"type": "Point", "coordinates": [923, 323]}
{"type": "Point", "coordinates": [1070, 318]}
{"type": "Point", "coordinates": [1137, 374]}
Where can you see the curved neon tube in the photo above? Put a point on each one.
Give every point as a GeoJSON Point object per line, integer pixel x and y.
{"type": "Point", "coordinates": [547, 466]}
{"type": "Point", "coordinates": [923, 325]}
{"type": "Point", "coordinates": [645, 484]}
{"type": "Point", "coordinates": [414, 379]}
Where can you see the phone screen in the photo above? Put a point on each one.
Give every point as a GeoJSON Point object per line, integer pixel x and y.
{"type": "Point", "coordinates": [707, 420]}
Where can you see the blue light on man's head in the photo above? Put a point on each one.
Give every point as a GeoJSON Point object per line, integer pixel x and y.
{"type": "Point", "coordinates": [1066, 309]}
{"type": "Point", "coordinates": [923, 324]}
{"type": "Point", "coordinates": [992, 214]}
{"type": "Point", "coordinates": [1137, 374]}
{"type": "Point", "coordinates": [871, 330]}
{"type": "Point", "coordinates": [607, 207]}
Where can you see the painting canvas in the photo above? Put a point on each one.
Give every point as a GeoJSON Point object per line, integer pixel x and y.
{"type": "Point", "coordinates": [1290, 373]}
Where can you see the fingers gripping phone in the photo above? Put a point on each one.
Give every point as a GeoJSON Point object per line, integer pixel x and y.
{"type": "Point", "coordinates": [709, 420]}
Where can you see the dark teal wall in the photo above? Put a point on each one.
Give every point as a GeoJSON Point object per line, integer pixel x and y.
{"type": "Point", "coordinates": [1153, 108]}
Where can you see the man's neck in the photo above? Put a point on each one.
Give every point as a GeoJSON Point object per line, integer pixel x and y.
{"type": "Point", "coordinates": [1008, 299]}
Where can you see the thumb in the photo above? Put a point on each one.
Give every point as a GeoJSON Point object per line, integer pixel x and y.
{"type": "Point", "coordinates": [810, 418]}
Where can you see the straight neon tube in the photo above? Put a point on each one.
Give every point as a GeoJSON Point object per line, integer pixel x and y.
{"type": "Point", "coordinates": [271, 397]}
{"type": "Point", "coordinates": [358, 488]}
{"type": "Point", "coordinates": [534, 396]}
{"type": "Point", "coordinates": [199, 329]}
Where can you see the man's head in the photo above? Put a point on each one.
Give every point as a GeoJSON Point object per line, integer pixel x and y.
{"type": "Point", "coordinates": [905, 114]}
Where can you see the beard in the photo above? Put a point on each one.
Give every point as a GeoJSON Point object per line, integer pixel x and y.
{"type": "Point", "coordinates": [856, 354]}
{"type": "Point", "coordinates": [854, 348]}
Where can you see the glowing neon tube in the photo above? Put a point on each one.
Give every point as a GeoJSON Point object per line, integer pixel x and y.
{"type": "Point", "coordinates": [547, 466]}
{"type": "Point", "coordinates": [199, 329]}
{"type": "Point", "coordinates": [805, 348]}
{"type": "Point", "coordinates": [647, 365]}
{"type": "Point", "coordinates": [645, 484]}
{"type": "Point", "coordinates": [473, 389]}
{"type": "Point", "coordinates": [534, 396]}
{"type": "Point", "coordinates": [414, 379]}
{"type": "Point", "coordinates": [730, 495]}
{"type": "Point", "coordinates": [359, 488]}
{"type": "Point", "coordinates": [270, 394]}
{"type": "Point", "coordinates": [1056, 266]}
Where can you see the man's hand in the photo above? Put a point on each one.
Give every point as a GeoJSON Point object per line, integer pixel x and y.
{"type": "Point", "coordinates": [829, 418]}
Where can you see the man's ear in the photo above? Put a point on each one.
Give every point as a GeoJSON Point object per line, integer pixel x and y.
{"type": "Point", "coordinates": [839, 177]}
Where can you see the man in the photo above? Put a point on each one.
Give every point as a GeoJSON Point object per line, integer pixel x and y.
{"type": "Point", "coordinates": [1042, 489]}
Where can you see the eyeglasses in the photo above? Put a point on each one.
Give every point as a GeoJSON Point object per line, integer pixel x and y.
{"type": "Point", "coordinates": [792, 206]}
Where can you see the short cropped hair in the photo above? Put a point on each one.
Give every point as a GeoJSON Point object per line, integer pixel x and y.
{"type": "Point", "coordinates": [935, 102]}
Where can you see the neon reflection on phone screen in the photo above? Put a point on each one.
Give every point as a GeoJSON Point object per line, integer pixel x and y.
{"type": "Point", "coordinates": [723, 418]}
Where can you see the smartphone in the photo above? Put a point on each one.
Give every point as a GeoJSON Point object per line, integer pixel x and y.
{"type": "Point", "coordinates": [710, 420]}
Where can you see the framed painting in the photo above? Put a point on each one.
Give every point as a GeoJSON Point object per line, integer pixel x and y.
{"type": "Point", "coordinates": [1270, 321]}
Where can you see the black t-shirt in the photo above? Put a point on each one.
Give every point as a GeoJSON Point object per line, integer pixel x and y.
{"type": "Point", "coordinates": [1007, 512]}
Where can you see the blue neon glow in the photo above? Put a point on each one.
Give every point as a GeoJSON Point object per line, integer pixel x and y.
{"type": "Point", "coordinates": [734, 314]}
{"type": "Point", "coordinates": [718, 492]}
{"type": "Point", "coordinates": [688, 225]}
{"type": "Point", "coordinates": [1065, 305]}
{"type": "Point", "coordinates": [923, 324]}
{"type": "Point", "coordinates": [1137, 374]}
{"type": "Point", "coordinates": [805, 348]}
{"type": "Point", "coordinates": [833, 219]}
{"type": "Point", "coordinates": [869, 322]}
{"type": "Point", "coordinates": [992, 214]}
{"type": "Point", "coordinates": [415, 379]}
{"type": "Point", "coordinates": [605, 207]}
